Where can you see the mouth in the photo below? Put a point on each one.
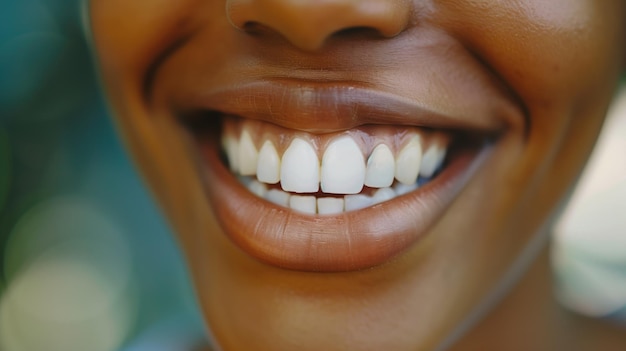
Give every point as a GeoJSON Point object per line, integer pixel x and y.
{"type": "Point", "coordinates": [327, 179]}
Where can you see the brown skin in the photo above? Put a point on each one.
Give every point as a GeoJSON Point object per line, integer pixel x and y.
{"type": "Point", "coordinates": [558, 62]}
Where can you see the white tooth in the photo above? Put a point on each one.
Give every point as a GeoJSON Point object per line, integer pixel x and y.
{"type": "Point", "coordinates": [429, 161]}
{"type": "Point", "coordinates": [402, 189]}
{"type": "Point", "coordinates": [232, 152]}
{"type": "Point", "coordinates": [357, 202]}
{"type": "Point", "coordinates": [268, 169]}
{"type": "Point", "coordinates": [257, 188]}
{"type": "Point", "coordinates": [441, 156]}
{"type": "Point", "coordinates": [329, 205]}
{"type": "Point", "coordinates": [381, 167]}
{"type": "Point", "coordinates": [277, 197]}
{"type": "Point", "coordinates": [343, 167]}
{"type": "Point", "coordinates": [300, 168]}
{"type": "Point", "coordinates": [304, 204]}
{"type": "Point", "coordinates": [248, 156]}
{"type": "Point", "coordinates": [408, 162]}
{"type": "Point", "coordinates": [382, 195]}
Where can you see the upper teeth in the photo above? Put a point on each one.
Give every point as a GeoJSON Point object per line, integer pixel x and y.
{"type": "Point", "coordinates": [344, 169]}
{"type": "Point", "coordinates": [381, 167]}
{"type": "Point", "coordinates": [300, 168]}
{"type": "Point", "coordinates": [409, 161]}
{"type": "Point", "coordinates": [268, 167]}
{"type": "Point", "coordinates": [248, 156]}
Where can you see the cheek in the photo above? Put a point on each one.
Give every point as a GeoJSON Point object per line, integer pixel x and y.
{"type": "Point", "coordinates": [561, 60]}
{"type": "Point", "coordinates": [128, 34]}
{"type": "Point", "coordinates": [548, 52]}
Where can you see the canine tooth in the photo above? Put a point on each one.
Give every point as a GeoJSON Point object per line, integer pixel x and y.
{"type": "Point", "coordinates": [382, 195]}
{"type": "Point", "coordinates": [248, 156]}
{"type": "Point", "coordinates": [429, 161]}
{"type": "Point", "coordinates": [357, 202]}
{"type": "Point", "coordinates": [300, 168]}
{"type": "Point", "coordinates": [380, 167]}
{"type": "Point", "coordinates": [402, 189]}
{"type": "Point", "coordinates": [304, 204]}
{"type": "Point", "coordinates": [232, 152]}
{"type": "Point", "coordinates": [268, 169]}
{"type": "Point", "coordinates": [257, 188]}
{"type": "Point", "coordinates": [330, 205]}
{"type": "Point", "coordinates": [277, 197]}
{"type": "Point", "coordinates": [408, 162]}
{"type": "Point", "coordinates": [343, 167]}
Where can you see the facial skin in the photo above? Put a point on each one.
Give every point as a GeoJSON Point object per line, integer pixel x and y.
{"type": "Point", "coordinates": [539, 74]}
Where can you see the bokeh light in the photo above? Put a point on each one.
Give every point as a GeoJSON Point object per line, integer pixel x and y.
{"type": "Point", "coordinates": [67, 251]}
{"type": "Point", "coordinates": [589, 252]}
{"type": "Point", "coordinates": [86, 260]}
{"type": "Point", "coordinates": [69, 268]}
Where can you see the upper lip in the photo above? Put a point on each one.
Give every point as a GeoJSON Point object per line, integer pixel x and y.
{"type": "Point", "coordinates": [323, 107]}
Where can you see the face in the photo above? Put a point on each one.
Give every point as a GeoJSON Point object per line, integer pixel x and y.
{"type": "Point", "coordinates": [355, 174]}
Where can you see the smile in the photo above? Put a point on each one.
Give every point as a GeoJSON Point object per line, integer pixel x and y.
{"type": "Point", "coordinates": [331, 173]}
{"type": "Point", "coordinates": [344, 185]}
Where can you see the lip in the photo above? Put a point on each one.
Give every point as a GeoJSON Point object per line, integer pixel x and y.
{"type": "Point", "coordinates": [330, 243]}
{"type": "Point", "coordinates": [324, 107]}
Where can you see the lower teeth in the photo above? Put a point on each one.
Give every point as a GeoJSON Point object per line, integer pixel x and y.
{"type": "Point", "coordinates": [327, 204]}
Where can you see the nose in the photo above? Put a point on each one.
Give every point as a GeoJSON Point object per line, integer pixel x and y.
{"type": "Point", "coordinates": [307, 24]}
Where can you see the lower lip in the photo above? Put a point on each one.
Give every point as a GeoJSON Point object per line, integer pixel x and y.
{"type": "Point", "coordinates": [345, 242]}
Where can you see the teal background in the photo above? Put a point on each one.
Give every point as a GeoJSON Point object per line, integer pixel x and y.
{"type": "Point", "coordinates": [65, 181]}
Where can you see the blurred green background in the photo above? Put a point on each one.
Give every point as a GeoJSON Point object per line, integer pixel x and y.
{"type": "Point", "coordinates": [87, 260]}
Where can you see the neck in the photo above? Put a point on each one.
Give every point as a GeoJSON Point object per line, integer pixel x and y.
{"type": "Point", "coordinates": [529, 318]}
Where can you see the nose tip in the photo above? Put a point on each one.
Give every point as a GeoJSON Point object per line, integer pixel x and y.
{"type": "Point", "coordinates": [307, 24]}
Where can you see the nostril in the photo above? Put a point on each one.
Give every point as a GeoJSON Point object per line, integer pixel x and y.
{"type": "Point", "coordinates": [260, 30]}
{"type": "Point", "coordinates": [251, 27]}
{"type": "Point", "coordinates": [357, 31]}
{"type": "Point", "coordinates": [256, 29]}
{"type": "Point", "coordinates": [308, 23]}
